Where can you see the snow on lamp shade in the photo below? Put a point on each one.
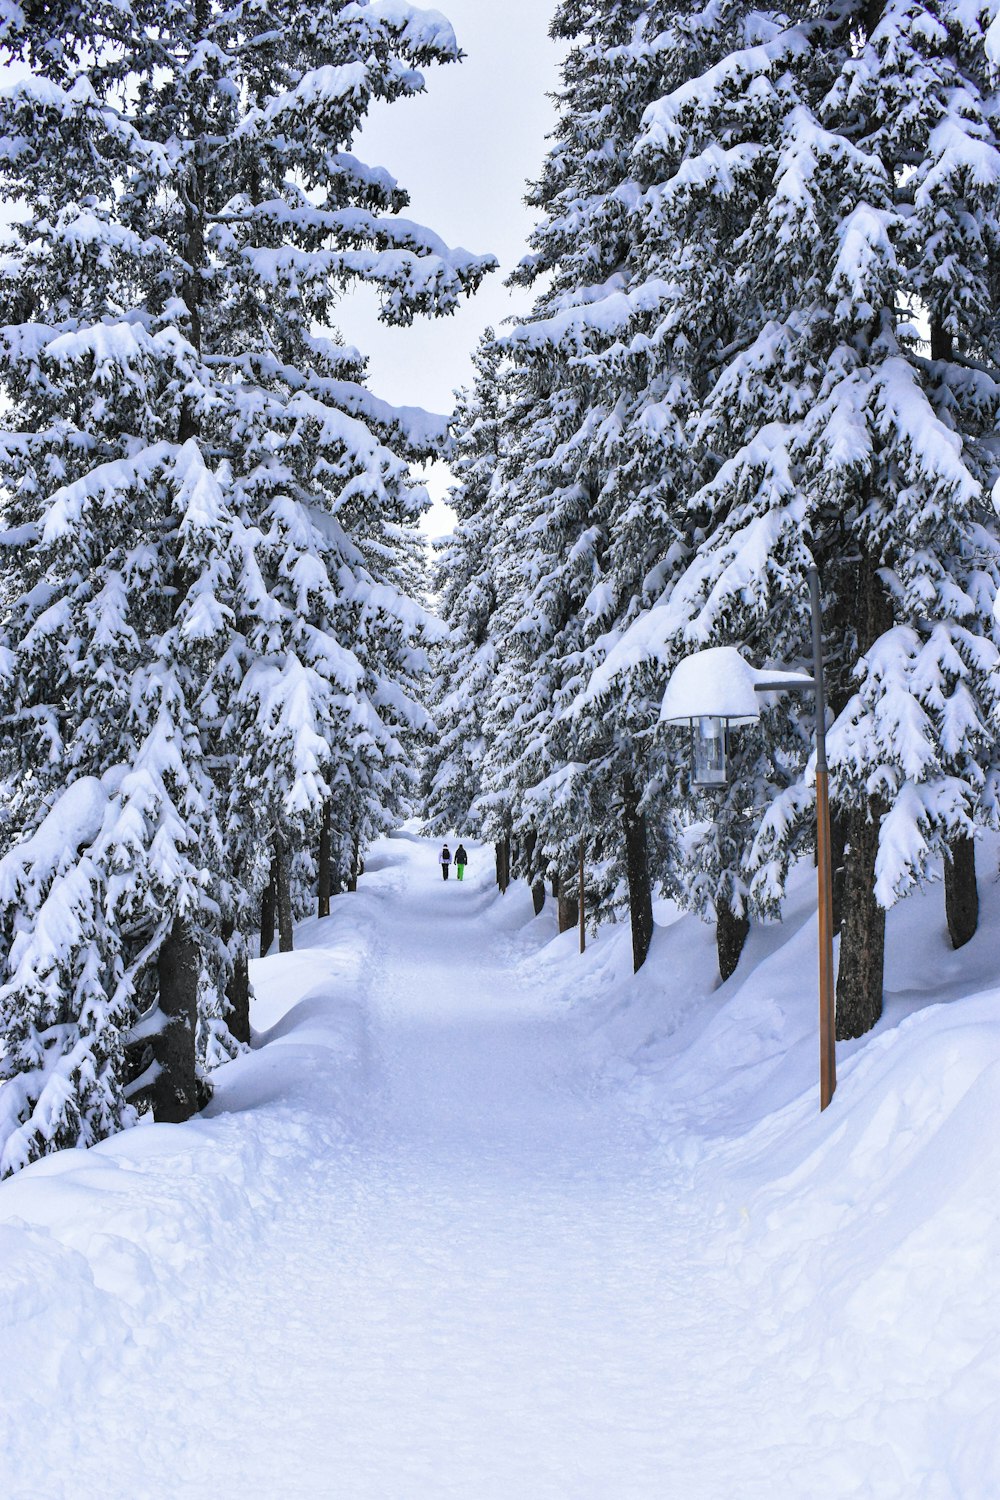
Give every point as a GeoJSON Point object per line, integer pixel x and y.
{"type": "Point", "coordinates": [716, 683]}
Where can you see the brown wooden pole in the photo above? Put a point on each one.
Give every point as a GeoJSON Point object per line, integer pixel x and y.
{"type": "Point", "coordinates": [583, 926]}
{"type": "Point", "coordinates": [824, 871]}
{"type": "Point", "coordinates": [824, 880]}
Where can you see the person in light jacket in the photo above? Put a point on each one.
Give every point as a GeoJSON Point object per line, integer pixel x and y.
{"type": "Point", "coordinates": [444, 860]}
{"type": "Point", "coordinates": [461, 860]}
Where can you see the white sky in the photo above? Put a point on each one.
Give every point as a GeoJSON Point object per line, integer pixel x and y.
{"type": "Point", "coordinates": [464, 151]}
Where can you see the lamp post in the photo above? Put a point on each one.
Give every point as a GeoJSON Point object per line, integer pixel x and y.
{"type": "Point", "coordinates": [713, 689]}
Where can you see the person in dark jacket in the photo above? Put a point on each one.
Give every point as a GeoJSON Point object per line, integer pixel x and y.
{"type": "Point", "coordinates": [444, 860]}
{"type": "Point", "coordinates": [461, 860]}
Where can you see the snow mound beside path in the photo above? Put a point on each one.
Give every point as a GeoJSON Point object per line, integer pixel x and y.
{"type": "Point", "coordinates": [864, 1242]}
{"type": "Point", "coordinates": [100, 1249]}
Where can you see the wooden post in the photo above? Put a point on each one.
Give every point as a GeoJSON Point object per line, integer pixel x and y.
{"type": "Point", "coordinates": [583, 924]}
{"type": "Point", "coordinates": [824, 872]}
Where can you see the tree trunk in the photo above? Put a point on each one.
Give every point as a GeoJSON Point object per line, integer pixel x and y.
{"type": "Point", "coordinates": [640, 896]}
{"type": "Point", "coordinates": [238, 995]}
{"type": "Point", "coordinates": [862, 934]}
{"type": "Point", "coordinates": [237, 986]}
{"type": "Point", "coordinates": [502, 850]}
{"type": "Point", "coordinates": [731, 933]}
{"type": "Point", "coordinates": [531, 873]}
{"type": "Point", "coordinates": [355, 870]}
{"type": "Point", "coordinates": [267, 906]}
{"type": "Point", "coordinates": [568, 905]}
{"type": "Point", "coordinates": [961, 895]}
{"type": "Point", "coordinates": [283, 897]}
{"type": "Point", "coordinates": [177, 1093]}
{"type": "Point", "coordinates": [508, 840]}
{"type": "Point", "coordinates": [862, 931]}
{"type": "Point", "coordinates": [324, 880]}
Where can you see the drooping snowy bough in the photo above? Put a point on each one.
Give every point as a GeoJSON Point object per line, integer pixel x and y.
{"type": "Point", "coordinates": [211, 620]}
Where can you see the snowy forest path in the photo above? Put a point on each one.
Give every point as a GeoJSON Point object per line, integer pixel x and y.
{"type": "Point", "coordinates": [483, 1287]}
{"type": "Point", "coordinates": [488, 1248]}
{"type": "Point", "coordinates": [413, 1250]}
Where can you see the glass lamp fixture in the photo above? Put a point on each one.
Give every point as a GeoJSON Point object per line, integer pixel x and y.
{"type": "Point", "coordinates": [709, 766]}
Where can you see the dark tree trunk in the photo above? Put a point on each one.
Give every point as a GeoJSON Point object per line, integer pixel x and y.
{"type": "Point", "coordinates": [531, 873]}
{"type": "Point", "coordinates": [356, 865]}
{"type": "Point", "coordinates": [238, 986]}
{"type": "Point", "coordinates": [177, 1093]}
{"type": "Point", "coordinates": [961, 894]}
{"type": "Point", "coordinates": [568, 905]}
{"type": "Point", "coordinates": [862, 933]}
{"type": "Point", "coordinates": [502, 850]}
{"type": "Point", "coordinates": [324, 878]}
{"type": "Point", "coordinates": [238, 995]}
{"type": "Point", "coordinates": [640, 895]}
{"type": "Point", "coordinates": [731, 933]}
{"type": "Point", "coordinates": [283, 897]}
{"type": "Point", "coordinates": [267, 908]}
{"type": "Point", "coordinates": [508, 841]}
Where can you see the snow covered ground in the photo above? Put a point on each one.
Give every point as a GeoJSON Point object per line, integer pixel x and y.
{"type": "Point", "coordinates": [483, 1218]}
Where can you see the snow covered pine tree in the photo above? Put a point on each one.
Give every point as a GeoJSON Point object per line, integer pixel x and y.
{"type": "Point", "coordinates": [849, 170]}
{"type": "Point", "coordinates": [556, 482]}
{"type": "Point", "coordinates": [209, 627]}
{"type": "Point", "coordinates": [609, 366]}
{"type": "Point", "coordinates": [464, 586]}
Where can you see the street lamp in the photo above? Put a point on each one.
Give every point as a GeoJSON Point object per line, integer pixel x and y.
{"type": "Point", "coordinates": [714, 689]}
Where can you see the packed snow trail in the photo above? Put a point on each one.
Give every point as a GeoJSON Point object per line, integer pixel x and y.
{"type": "Point", "coordinates": [420, 1249]}
{"type": "Point", "coordinates": [485, 1259]}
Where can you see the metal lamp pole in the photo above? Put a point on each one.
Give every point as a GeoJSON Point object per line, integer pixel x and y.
{"type": "Point", "coordinates": [824, 871]}
{"type": "Point", "coordinates": [722, 680]}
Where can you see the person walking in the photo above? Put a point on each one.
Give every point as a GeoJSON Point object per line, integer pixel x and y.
{"type": "Point", "coordinates": [444, 860]}
{"type": "Point", "coordinates": [461, 860]}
